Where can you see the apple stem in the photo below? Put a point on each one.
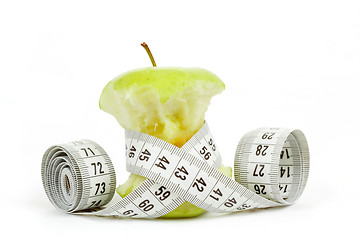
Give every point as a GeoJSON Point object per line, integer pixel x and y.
{"type": "Point", "coordinates": [149, 53]}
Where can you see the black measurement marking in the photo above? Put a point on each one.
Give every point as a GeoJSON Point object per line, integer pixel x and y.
{"type": "Point", "coordinates": [86, 152]}
{"type": "Point", "coordinates": [260, 173]}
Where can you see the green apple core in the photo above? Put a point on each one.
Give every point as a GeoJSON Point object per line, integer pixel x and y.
{"type": "Point", "coordinates": [166, 102]}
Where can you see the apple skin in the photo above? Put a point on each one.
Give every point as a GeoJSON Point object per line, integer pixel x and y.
{"type": "Point", "coordinates": [166, 80]}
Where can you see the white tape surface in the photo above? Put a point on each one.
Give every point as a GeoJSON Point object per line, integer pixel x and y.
{"type": "Point", "coordinates": [271, 169]}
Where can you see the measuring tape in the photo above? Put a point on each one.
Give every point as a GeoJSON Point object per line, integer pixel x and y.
{"type": "Point", "coordinates": [271, 167]}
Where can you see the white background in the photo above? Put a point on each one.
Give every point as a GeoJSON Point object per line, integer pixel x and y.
{"type": "Point", "coordinates": [284, 63]}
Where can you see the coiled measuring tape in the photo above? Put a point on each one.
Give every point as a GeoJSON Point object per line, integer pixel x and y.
{"type": "Point", "coordinates": [271, 169]}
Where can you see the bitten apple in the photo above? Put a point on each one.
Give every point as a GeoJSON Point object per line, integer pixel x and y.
{"type": "Point", "coordinates": [166, 102]}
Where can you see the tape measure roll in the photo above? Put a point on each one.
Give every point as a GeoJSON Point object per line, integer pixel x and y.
{"type": "Point", "coordinates": [274, 163]}
{"type": "Point", "coordinates": [271, 169]}
{"type": "Point", "coordinates": [68, 178]}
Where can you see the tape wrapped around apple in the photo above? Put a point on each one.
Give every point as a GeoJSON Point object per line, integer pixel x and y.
{"type": "Point", "coordinates": [166, 102]}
